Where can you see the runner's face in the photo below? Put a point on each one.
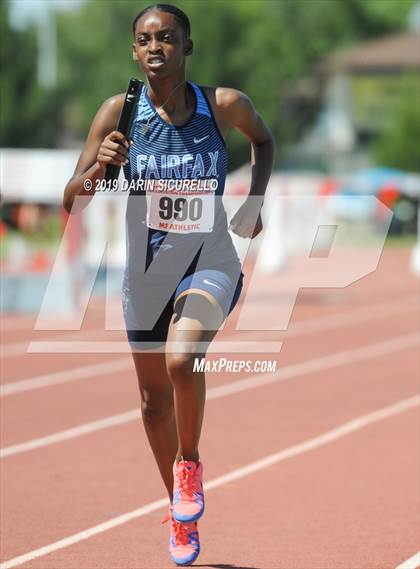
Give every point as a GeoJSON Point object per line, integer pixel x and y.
{"type": "Point", "coordinates": [159, 45]}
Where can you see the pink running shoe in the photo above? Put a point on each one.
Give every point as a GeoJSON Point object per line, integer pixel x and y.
{"type": "Point", "coordinates": [184, 541]}
{"type": "Point", "coordinates": [188, 497]}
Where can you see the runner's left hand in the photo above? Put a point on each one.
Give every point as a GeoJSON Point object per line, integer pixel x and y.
{"type": "Point", "coordinates": [247, 220]}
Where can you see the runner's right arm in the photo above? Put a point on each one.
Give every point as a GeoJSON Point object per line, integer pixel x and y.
{"type": "Point", "coordinates": [104, 145]}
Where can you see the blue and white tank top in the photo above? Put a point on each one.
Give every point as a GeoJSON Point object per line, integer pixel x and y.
{"type": "Point", "coordinates": [176, 176]}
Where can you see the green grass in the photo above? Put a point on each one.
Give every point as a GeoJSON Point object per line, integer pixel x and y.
{"type": "Point", "coordinates": [407, 240]}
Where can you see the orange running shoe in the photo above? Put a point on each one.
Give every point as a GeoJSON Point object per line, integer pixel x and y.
{"type": "Point", "coordinates": [188, 497]}
{"type": "Point", "coordinates": [184, 541]}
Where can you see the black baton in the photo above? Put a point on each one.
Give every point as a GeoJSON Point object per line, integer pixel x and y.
{"type": "Point", "coordinates": [125, 121]}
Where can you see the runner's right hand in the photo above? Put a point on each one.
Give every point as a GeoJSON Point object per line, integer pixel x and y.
{"type": "Point", "coordinates": [113, 150]}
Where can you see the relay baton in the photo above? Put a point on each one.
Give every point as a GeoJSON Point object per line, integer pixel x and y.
{"type": "Point", "coordinates": [125, 121]}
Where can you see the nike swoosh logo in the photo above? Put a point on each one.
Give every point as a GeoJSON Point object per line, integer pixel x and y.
{"type": "Point", "coordinates": [198, 140]}
{"type": "Point", "coordinates": [212, 284]}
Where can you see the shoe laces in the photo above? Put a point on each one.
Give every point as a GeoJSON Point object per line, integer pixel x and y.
{"type": "Point", "coordinates": [186, 480]}
{"type": "Point", "coordinates": [180, 531]}
{"type": "Point", "coordinates": [167, 516]}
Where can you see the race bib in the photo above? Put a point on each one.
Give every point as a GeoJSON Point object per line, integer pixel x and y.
{"type": "Point", "coordinates": [181, 211]}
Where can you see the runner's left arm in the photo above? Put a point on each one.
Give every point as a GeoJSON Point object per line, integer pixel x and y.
{"type": "Point", "coordinates": [239, 112]}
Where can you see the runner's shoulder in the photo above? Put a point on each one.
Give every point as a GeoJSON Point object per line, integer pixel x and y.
{"type": "Point", "coordinates": [106, 119]}
{"type": "Point", "coordinates": [225, 97]}
{"type": "Point", "coordinates": [111, 108]}
{"type": "Point", "coordinates": [227, 105]}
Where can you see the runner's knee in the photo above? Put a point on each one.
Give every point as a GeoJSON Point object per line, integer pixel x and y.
{"type": "Point", "coordinates": [156, 405]}
{"type": "Point", "coordinates": [180, 367]}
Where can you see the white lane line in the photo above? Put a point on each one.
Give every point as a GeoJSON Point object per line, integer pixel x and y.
{"type": "Point", "coordinates": [251, 468]}
{"type": "Point", "coordinates": [83, 372]}
{"type": "Point", "coordinates": [121, 364]}
{"type": "Point", "coordinates": [360, 314]}
{"type": "Point", "coordinates": [316, 442]}
{"type": "Point", "coordinates": [380, 310]}
{"type": "Point", "coordinates": [288, 372]}
{"type": "Point", "coordinates": [70, 327]}
{"type": "Point", "coordinates": [411, 563]}
{"type": "Point", "coordinates": [319, 364]}
{"type": "Point", "coordinates": [299, 328]}
{"type": "Point", "coordinates": [72, 433]}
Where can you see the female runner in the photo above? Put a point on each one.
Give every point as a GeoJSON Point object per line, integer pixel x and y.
{"type": "Point", "coordinates": [183, 276]}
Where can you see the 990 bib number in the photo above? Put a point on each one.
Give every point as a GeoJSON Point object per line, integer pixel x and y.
{"type": "Point", "coordinates": [180, 214]}
{"type": "Point", "coordinates": [180, 209]}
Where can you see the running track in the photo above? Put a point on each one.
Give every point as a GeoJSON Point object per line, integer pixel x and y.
{"type": "Point", "coordinates": [315, 466]}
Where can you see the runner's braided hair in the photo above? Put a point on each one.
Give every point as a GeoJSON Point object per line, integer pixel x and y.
{"type": "Point", "coordinates": [179, 15]}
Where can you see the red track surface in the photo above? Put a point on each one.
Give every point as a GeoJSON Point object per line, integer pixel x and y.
{"type": "Point", "coordinates": [350, 503]}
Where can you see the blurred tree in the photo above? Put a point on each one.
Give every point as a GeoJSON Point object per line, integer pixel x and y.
{"type": "Point", "coordinates": [398, 145]}
{"type": "Point", "coordinates": [95, 51]}
{"type": "Point", "coordinates": [94, 54]}
{"type": "Point", "coordinates": [383, 15]}
{"type": "Point", "coordinates": [29, 116]}
{"type": "Point", "coordinates": [259, 46]}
